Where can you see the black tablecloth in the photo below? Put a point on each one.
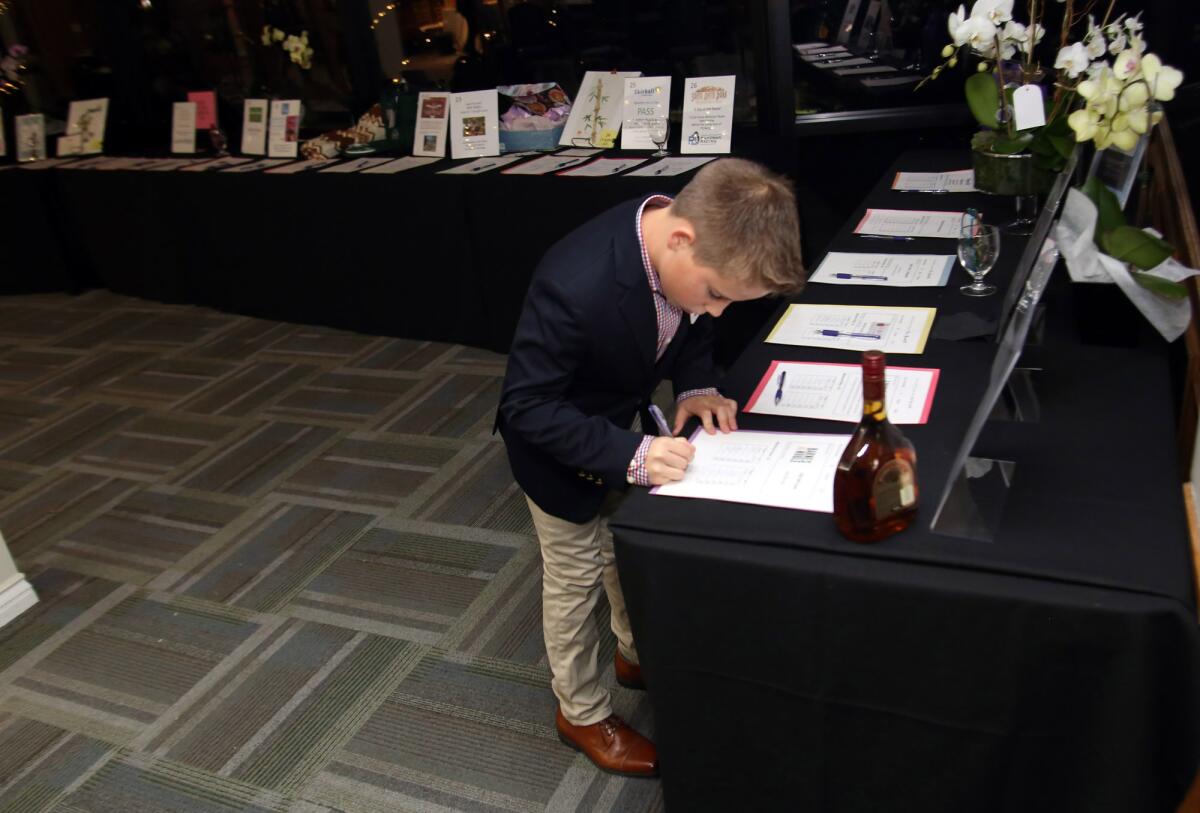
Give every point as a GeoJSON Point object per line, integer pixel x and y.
{"type": "Point", "coordinates": [32, 259]}
{"type": "Point", "coordinates": [1054, 668]}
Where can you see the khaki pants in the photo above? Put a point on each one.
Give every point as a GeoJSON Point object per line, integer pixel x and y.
{"type": "Point", "coordinates": [576, 560]}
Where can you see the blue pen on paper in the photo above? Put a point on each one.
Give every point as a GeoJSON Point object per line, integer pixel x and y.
{"type": "Point", "coordinates": [660, 421]}
{"type": "Point", "coordinates": [884, 237]}
{"type": "Point", "coordinates": [482, 168]}
{"type": "Point", "coordinates": [779, 390]}
{"type": "Point", "coordinates": [828, 332]}
{"type": "Point", "coordinates": [843, 275]}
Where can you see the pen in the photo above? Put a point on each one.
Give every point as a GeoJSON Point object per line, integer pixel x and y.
{"type": "Point", "coordinates": [884, 237]}
{"type": "Point", "coordinates": [659, 171]}
{"type": "Point", "coordinates": [828, 332]}
{"type": "Point", "coordinates": [660, 421]}
{"type": "Point", "coordinates": [779, 391]}
{"type": "Point", "coordinates": [928, 191]}
{"type": "Point", "coordinates": [482, 168]}
{"type": "Point", "coordinates": [841, 275]}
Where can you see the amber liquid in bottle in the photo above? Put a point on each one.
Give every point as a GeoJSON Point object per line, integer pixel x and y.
{"type": "Point", "coordinates": [875, 486]}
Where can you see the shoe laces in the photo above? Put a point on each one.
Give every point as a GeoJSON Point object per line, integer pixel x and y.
{"type": "Point", "coordinates": [610, 725]}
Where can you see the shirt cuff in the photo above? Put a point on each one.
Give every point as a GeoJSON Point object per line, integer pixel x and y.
{"type": "Point", "coordinates": [636, 473]}
{"type": "Point", "coordinates": [693, 393]}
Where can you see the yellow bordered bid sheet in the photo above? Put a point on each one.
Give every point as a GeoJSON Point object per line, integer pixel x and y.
{"type": "Point", "coordinates": [855, 327]}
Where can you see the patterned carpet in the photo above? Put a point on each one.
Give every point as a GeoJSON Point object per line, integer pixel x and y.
{"type": "Point", "coordinates": [281, 568]}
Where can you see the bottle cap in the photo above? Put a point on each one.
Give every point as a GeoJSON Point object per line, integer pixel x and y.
{"type": "Point", "coordinates": [874, 362]}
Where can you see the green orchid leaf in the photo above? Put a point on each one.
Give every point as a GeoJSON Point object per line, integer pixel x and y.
{"type": "Point", "coordinates": [1162, 287]}
{"type": "Point", "coordinates": [1111, 216]}
{"type": "Point", "coordinates": [983, 98]}
{"type": "Point", "coordinates": [1132, 245]}
{"type": "Point", "coordinates": [1010, 146]}
{"type": "Point", "coordinates": [1063, 145]}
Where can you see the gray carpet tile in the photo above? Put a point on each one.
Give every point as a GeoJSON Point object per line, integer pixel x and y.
{"type": "Point", "coordinates": [281, 568]}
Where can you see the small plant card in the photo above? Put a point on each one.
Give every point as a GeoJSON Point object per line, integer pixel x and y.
{"type": "Point", "coordinates": [254, 127]}
{"type": "Point", "coordinates": [429, 132]}
{"type": "Point", "coordinates": [283, 133]}
{"type": "Point", "coordinates": [707, 125]}
{"type": "Point", "coordinates": [206, 108]}
{"type": "Point", "coordinates": [647, 104]}
{"type": "Point", "coordinates": [1028, 109]}
{"type": "Point", "coordinates": [31, 137]}
{"type": "Point", "coordinates": [86, 118]}
{"type": "Point", "coordinates": [183, 127]}
{"type": "Point", "coordinates": [595, 117]}
{"type": "Point", "coordinates": [474, 124]}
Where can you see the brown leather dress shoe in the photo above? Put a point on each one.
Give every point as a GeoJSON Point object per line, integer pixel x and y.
{"type": "Point", "coordinates": [629, 674]}
{"type": "Point", "coordinates": [611, 744]}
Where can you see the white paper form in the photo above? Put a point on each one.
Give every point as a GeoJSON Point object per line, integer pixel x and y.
{"type": "Point", "coordinates": [219, 163]}
{"type": "Point", "coordinates": [854, 327]}
{"type": "Point", "coordinates": [959, 180]}
{"type": "Point", "coordinates": [781, 469]}
{"type": "Point", "coordinates": [887, 270]}
{"type": "Point", "coordinates": [292, 167]}
{"type": "Point", "coordinates": [672, 166]}
{"type": "Point", "coordinates": [183, 127]}
{"type": "Point", "coordinates": [547, 163]}
{"type": "Point", "coordinates": [805, 47]}
{"type": "Point", "coordinates": [844, 63]}
{"type": "Point", "coordinates": [118, 163]}
{"type": "Point", "coordinates": [823, 53]}
{"type": "Point", "coordinates": [908, 223]}
{"type": "Point", "coordinates": [356, 165]}
{"type": "Point", "coordinates": [862, 71]}
{"type": "Point", "coordinates": [400, 165]}
{"type": "Point", "coordinates": [833, 392]}
{"type": "Point", "coordinates": [256, 166]}
{"type": "Point", "coordinates": [486, 164]}
{"type": "Point", "coordinates": [581, 151]}
{"type": "Point", "coordinates": [603, 167]}
{"type": "Point", "coordinates": [707, 121]}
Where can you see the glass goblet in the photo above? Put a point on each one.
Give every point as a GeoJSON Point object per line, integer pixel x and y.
{"type": "Point", "coordinates": [978, 249]}
{"type": "Point", "coordinates": [659, 131]}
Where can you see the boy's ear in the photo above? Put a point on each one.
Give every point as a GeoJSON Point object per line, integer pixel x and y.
{"type": "Point", "coordinates": [682, 236]}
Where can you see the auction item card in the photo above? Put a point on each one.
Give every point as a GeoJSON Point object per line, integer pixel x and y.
{"type": "Point", "coordinates": [254, 127]}
{"type": "Point", "coordinates": [183, 127]}
{"type": "Point", "coordinates": [707, 114]}
{"type": "Point", "coordinates": [647, 105]}
{"type": "Point", "coordinates": [206, 108]}
{"type": "Point", "coordinates": [283, 132]}
{"type": "Point", "coordinates": [31, 137]}
{"type": "Point", "coordinates": [86, 118]}
{"type": "Point", "coordinates": [433, 116]}
{"type": "Point", "coordinates": [474, 124]}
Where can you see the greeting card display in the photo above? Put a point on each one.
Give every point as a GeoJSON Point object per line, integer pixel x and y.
{"type": "Point", "coordinates": [595, 118]}
{"type": "Point", "coordinates": [86, 118]}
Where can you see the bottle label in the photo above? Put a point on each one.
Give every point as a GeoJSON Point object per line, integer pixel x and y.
{"type": "Point", "coordinates": [894, 489]}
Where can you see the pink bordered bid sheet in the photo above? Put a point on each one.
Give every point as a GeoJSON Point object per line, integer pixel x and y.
{"type": "Point", "coordinates": [833, 392]}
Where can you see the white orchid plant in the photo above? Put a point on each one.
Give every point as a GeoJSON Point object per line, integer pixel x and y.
{"type": "Point", "coordinates": [297, 47]}
{"type": "Point", "coordinates": [1094, 99]}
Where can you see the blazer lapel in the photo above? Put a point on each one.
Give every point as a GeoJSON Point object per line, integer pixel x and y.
{"type": "Point", "coordinates": [636, 302]}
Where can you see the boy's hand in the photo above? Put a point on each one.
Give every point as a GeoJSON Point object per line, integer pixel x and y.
{"type": "Point", "coordinates": [667, 459]}
{"type": "Point", "coordinates": [705, 407]}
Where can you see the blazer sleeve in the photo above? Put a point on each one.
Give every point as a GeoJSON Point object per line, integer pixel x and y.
{"type": "Point", "coordinates": [693, 368]}
{"type": "Point", "coordinates": [549, 346]}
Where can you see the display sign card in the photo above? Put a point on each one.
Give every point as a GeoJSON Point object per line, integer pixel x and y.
{"type": "Point", "coordinates": [70, 145]}
{"type": "Point", "coordinates": [907, 224]}
{"type": "Point", "coordinates": [86, 118]}
{"type": "Point", "coordinates": [474, 124]}
{"type": "Point", "coordinates": [848, 18]}
{"type": "Point", "coordinates": [30, 133]}
{"type": "Point", "coordinates": [3, 143]}
{"type": "Point", "coordinates": [707, 114]}
{"type": "Point", "coordinates": [183, 127]}
{"type": "Point", "coordinates": [647, 110]}
{"type": "Point", "coordinates": [283, 130]}
{"type": "Point", "coordinates": [671, 166]}
{"type": "Point", "coordinates": [595, 118]}
{"type": "Point", "coordinates": [833, 392]}
{"type": "Point", "coordinates": [206, 108]}
{"type": "Point", "coordinates": [870, 21]}
{"type": "Point", "coordinates": [885, 270]}
{"type": "Point", "coordinates": [783, 469]}
{"type": "Point", "coordinates": [254, 127]}
{"type": "Point", "coordinates": [433, 117]}
{"type": "Point", "coordinates": [854, 327]}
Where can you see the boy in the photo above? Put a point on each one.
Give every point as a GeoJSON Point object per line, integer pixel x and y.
{"type": "Point", "coordinates": [603, 323]}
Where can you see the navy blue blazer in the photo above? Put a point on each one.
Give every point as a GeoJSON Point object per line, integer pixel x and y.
{"type": "Point", "coordinates": [582, 365]}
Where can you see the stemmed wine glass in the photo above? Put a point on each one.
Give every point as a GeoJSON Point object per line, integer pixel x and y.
{"type": "Point", "coordinates": [659, 131]}
{"type": "Point", "coordinates": [978, 248]}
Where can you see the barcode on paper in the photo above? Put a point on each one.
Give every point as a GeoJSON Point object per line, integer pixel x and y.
{"type": "Point", "coordinates": [804, 455]}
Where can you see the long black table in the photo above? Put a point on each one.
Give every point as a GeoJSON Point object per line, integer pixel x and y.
{"type": "Point", "coordinates": [1056, 667]}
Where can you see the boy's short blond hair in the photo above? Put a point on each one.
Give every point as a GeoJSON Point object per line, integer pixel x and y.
{"type": "Point", "coordinates": [746, 224]}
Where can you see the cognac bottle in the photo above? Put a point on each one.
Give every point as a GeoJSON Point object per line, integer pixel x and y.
{"type": "Point", "coordinates": [875, 486]}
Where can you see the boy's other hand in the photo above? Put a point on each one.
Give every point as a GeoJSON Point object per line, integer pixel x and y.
{"type": "Point", "coordinates": [706, 408]}
{"type": "Point", "coordinates": [667, 459]}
